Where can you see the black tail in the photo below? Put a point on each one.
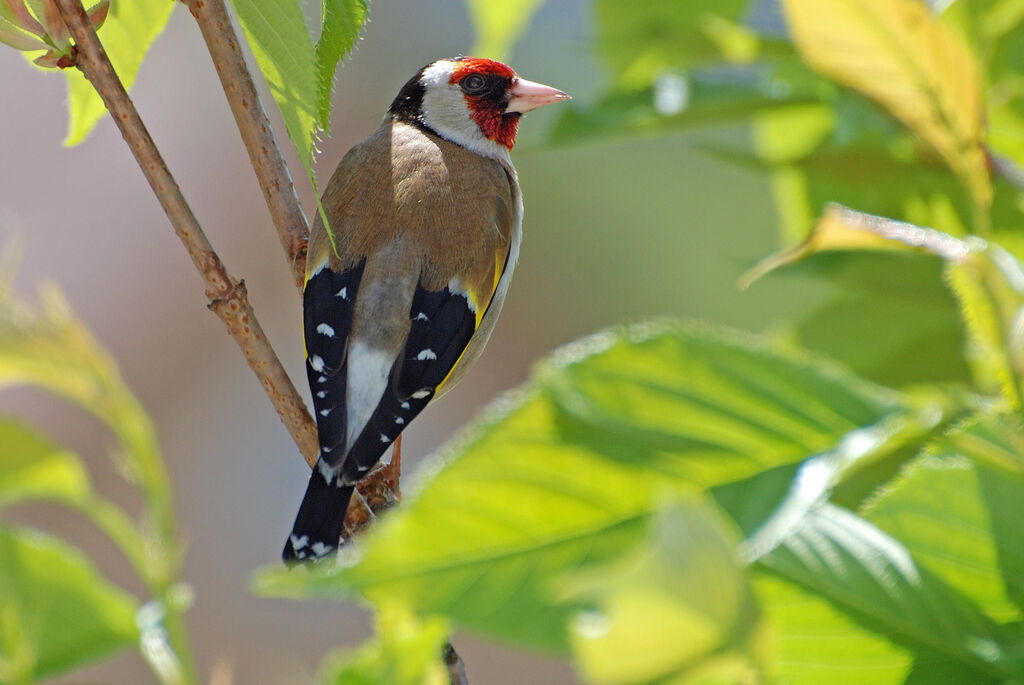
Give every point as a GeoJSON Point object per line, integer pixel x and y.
{"type": "Point", "coordinates": [321, 518]}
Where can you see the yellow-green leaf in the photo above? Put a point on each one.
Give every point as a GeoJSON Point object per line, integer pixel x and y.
{"type": "Point", "coordinates": [33, 467]}
{"type": "Point", "coordinates": [677, 605]}
{"type": "Point", "coordinates": [280, 40]}
{"type": "Point", "coordinates": [341, 21]}
{"type": "Point", "coordinates": [499, 24]}
{"type": "Point", "coordinates": [841, 228]}
{"type": "Point", "coordinates": [405, 651]}
{"type": "Point", "coordinates": [898, 53]}
{"type": "Point", "coordinates": [130, 28]}
{"type": "Point", "coordinates": [56, 611]}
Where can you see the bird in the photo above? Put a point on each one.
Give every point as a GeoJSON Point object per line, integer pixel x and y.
{"type": "Point", "coordinates": [402, 292]}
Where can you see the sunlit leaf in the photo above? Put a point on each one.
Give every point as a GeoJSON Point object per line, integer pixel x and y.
{"type": "Point", "coordinates": [873, 578]}
{"type": "Point", "coordinates": [957, 510]}
{"type": "Point", "coordinates": [281, 43]}
{"type": "Point", "coordinates": [56, 612]}
{"type": "Point", "coordinates": [899, 53]}
{"type": "Point", "coordinates": [32, 467]}
{"type": "Point", "coordinates": [841, 228]}
{"type": "Point", "coordinates": [341, 22]}
{"type": "Point", "coordinates": [937, 509]}
{"type": "Point", "coordinates": [815, 642]}
{"type": "Point", "coordinates": [678, 606]}
{"type": "Point", "coordinates": [127, 33]}
{"type": "Point", "coordinates": [569, 471]}
{"type": "Point", "coordinates": [405, 651]}
{"type": "Point", "coordinates": [499, 24]}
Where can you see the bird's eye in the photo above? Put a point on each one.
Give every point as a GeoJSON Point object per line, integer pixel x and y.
{"type": "Point", "coordinates": [474, 84]}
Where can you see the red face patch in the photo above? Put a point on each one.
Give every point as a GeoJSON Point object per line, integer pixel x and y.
{"type": "Point", "coordinates": [489, 113]}
{"type": "Point", "coordinates": [477, 65]}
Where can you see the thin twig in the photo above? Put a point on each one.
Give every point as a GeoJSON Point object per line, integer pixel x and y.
{"type": "Point", "coordinates": [456, 667]}
{"type": "Point", "coordinates": [227, 295]}
{"type": "Point", "coordinates": [258, 136]}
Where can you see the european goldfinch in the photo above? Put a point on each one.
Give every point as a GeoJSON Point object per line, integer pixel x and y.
{"type": "Point", "coordinates": [399, 302]}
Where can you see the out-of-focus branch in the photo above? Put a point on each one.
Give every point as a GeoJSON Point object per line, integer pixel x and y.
{"type": "Point", "coordinates": [258, 136]}
{"type": "Point", "coordinates": [228, 298]}
{"type": "Point", "coordinates": [456, 668]}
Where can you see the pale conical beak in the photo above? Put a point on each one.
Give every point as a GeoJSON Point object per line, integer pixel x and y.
{"type": "Point", "coordinates": [527, 95]}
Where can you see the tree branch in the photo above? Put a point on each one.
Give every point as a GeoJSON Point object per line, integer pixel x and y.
{"type": "Point", "coordinates": [257, 134]}
{"type": "Point", "coordinates": [456, 667]}
{"type": "Point", "coordinates": [227, 295]}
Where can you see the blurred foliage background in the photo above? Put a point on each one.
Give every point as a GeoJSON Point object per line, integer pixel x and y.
{"type": "Point", "coordinates": [698, 141]}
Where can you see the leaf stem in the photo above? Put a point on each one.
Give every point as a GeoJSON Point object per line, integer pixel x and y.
{"type": "Point", "coordinates": [264, 153]}
{"type": "Point", "coordinates": [228, 296]}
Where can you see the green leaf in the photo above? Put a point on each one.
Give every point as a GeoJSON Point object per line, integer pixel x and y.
{"type": "Point", "coordinates": [567, 472]}
{"type": "Point", "coordinates": [889, 316]}
{"type": "Point", "coordinates": [280, 41]}
{"type": "Point", "coordinates": [957, 509]}
{"type": "Point", "coordinates": [130, 29]}
{"type": "Point", "coordinates": [843, 229]}
{"type": "Point", "coordinates": [32, 467]}
{"type": "Point", "coordinates": [677, 606]}
{"type": "Point", "coordinates": [899, 54]}
{"type": "Point", "coordinates": [499, 24]}
{"type": "Point", "coordinates": [872, 578]}
{"type": "Point", "coordinates": [640, 41]}
{"type": "Point", "coordinates": [56, 612]}
{"type": "Point", "coordinates": [405, 651]}
{"type": "Point", "coordinates": [51, 349]}
{"type": "Point", "coordinates": [815, 643]}
{"type": "Point", "coordinates": [341, 22]}
{"type": "Point", "coordinates": [673, 102]}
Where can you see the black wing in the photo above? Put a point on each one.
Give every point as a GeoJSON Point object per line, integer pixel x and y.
{"type": "Point", "coordinates": [327, 311]}
{"type": "Point", "coordinates": [442, 324]}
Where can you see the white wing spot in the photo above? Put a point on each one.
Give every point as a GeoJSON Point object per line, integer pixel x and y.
{"type": "Point", "coordinates": [405, 405]}
{"type": "Point", "coordinates": [421, 317]}
{"type": "Point", "coordinates": [324, 329]}
{"type": "Point", "coordinates": [326, 471]}
{"type": "Point", "coordinates": [322, 394]}
{"type": "Point", "coordinates": [325, 449]}
{"type": "Point", "coordinates": [400, 421]}
{"type": "Point", "coordinates": [420, 394]}
{"type": "Point", "coordinates": [325, 412]}
{"type": "Point", "coordinates": [343, 293]}
{"type": "Point", "coordinates": [322, 379]}
{"type": "Point", "coordinates": [298, 543]}
{"type": "Point", "coordinates": [320, 549]}
{"type": "Point", "coordinates": [362, 467]}
{"type": "Point", "coordinates": [384, 438]}
{"type": "Point", "coordinates": [426, 354]}
{"type": "Point", "coordinates": [317, 362]}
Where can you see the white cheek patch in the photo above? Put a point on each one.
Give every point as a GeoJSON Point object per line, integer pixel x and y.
{"type": "Point", "coordinates": [446, 113]}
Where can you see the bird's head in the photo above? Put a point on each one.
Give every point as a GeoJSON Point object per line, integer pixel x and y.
{"type": "Point", "coordinates": [470, 101]}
